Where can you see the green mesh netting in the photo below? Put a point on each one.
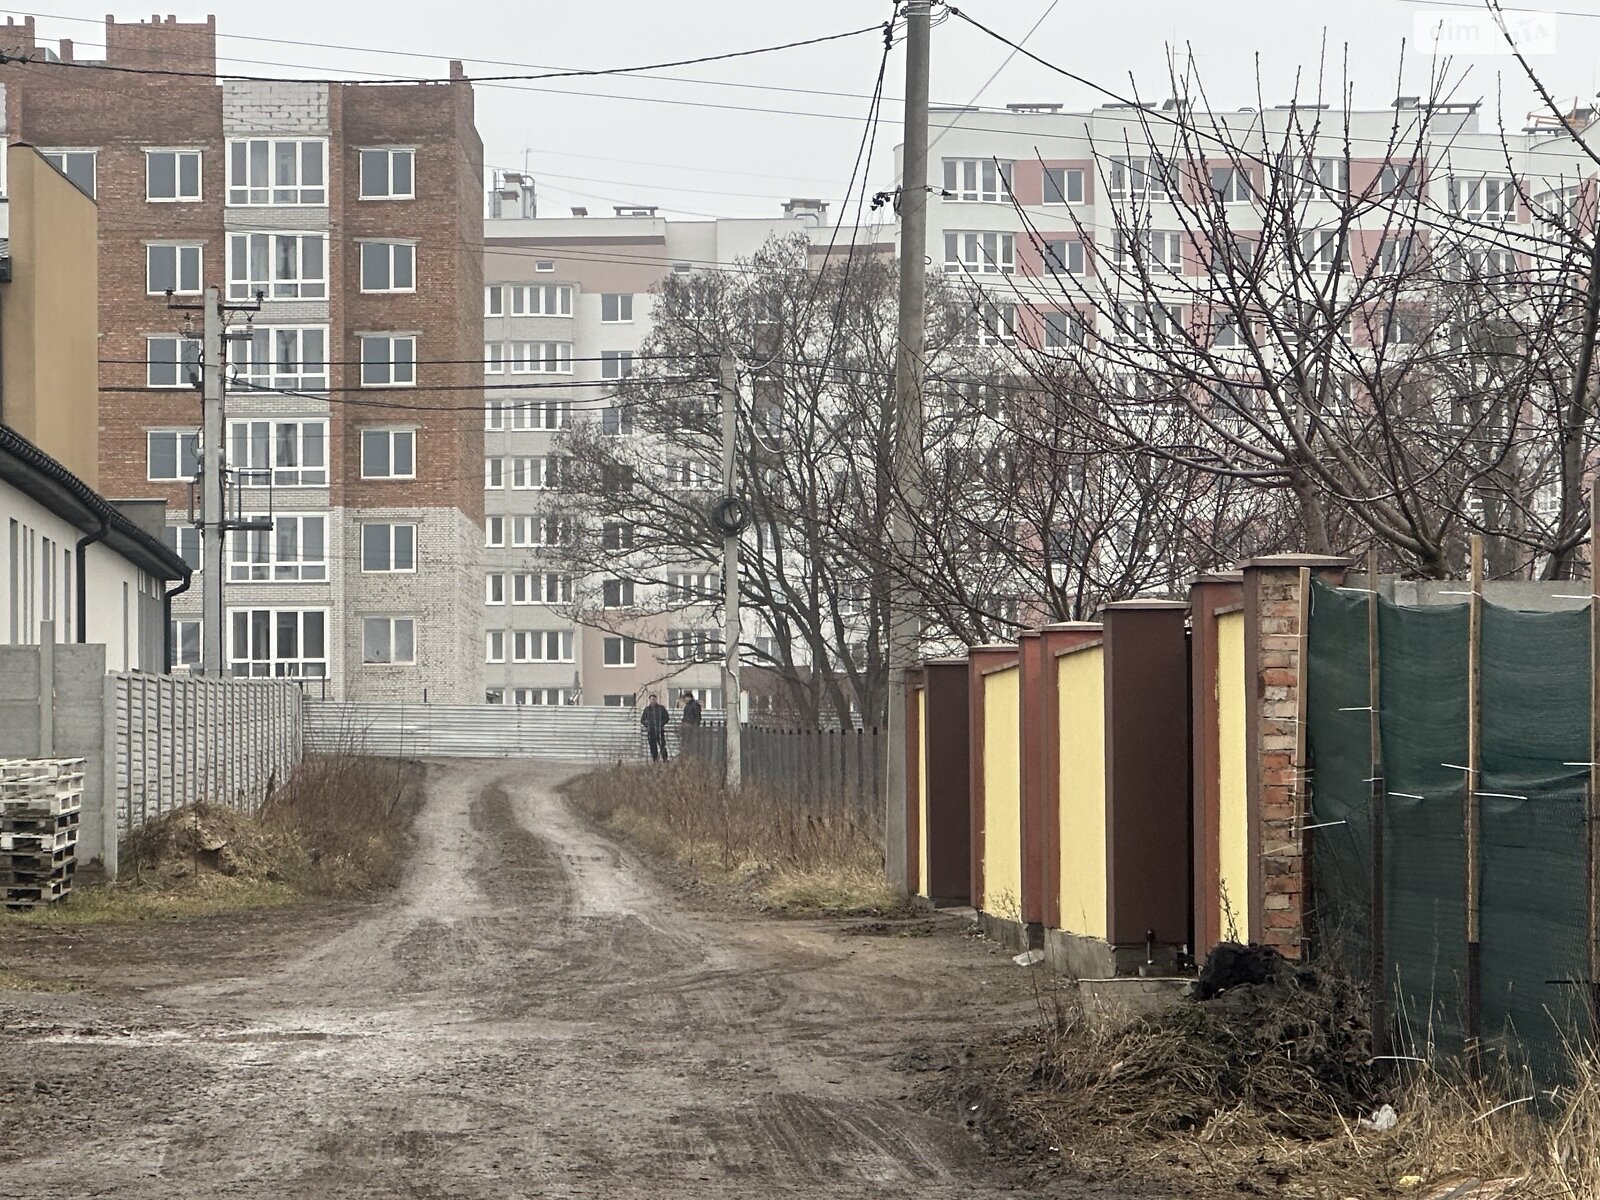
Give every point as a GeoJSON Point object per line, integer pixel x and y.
{"type": "Point", "coordinates": [1533, 858]}
{"type": "Point", "coordinates": [1534, 850]}
{"type": "Point", "coordinates": [1337, 738]}
{"type": "Point", "coordinates": [1423, 718]}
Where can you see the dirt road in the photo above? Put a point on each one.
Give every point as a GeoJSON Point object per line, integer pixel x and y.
{"type": "Point", "coordinates": [530, 1015]}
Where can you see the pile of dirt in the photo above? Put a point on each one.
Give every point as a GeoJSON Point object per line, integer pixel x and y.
{"type": "Point", "coordinates": [211, 840]}
{"type": "Point", "coordinates": [1292, 1045]}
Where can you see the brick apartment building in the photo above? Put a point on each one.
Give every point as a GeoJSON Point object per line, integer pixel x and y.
{"type": "Point", "coordinates": [353, 393]}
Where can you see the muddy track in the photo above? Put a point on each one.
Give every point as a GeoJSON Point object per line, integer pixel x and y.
{"type": "Point", "coordinates": [528, 1014]}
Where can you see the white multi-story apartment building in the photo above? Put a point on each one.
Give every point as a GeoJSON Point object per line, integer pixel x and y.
{"type": "Point", "coordinates": [567, 305]}
{"type": "Point", "coordinates": [1033, 204]}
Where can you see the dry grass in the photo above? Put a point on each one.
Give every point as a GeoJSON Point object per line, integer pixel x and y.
{"type": "Point", "coordinates": [336, 828]}
{"type": "Point", "coordinates": [1262, 1091]}
{"type": "Point", "coordinates": [782, 854]}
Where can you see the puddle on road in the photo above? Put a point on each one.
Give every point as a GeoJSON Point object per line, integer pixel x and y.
{"type": "Point", "coordinates": [169, 1037]}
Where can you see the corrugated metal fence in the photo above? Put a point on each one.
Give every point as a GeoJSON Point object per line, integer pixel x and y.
{"type": "Point", "coordinates": [572, 734]}
{"type": "Point", "coordinates": [835, 768]}
{"type": "Point", "coordinates": [174, 740]}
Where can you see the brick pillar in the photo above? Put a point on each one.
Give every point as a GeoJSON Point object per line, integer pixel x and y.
{"type": "Point", "coordinates": [1275, 667]}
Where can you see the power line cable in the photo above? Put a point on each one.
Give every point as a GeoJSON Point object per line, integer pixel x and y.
{"type": "Point", "coordinates": [220, 77]}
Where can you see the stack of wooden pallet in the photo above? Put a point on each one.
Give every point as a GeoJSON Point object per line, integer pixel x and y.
{"type": "Point", "coordinates": [41, 801]}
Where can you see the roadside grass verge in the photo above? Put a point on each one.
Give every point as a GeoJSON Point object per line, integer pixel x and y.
{"type": "Point", "coordinates": [1270, 1090]}
{"type": "Point", "coordinates": [757, 848]}
{"type": "Point", "coordinates": [337, 828]}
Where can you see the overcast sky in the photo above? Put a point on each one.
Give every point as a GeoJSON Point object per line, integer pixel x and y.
{"type": "Point", "coordinates": [737, 139]}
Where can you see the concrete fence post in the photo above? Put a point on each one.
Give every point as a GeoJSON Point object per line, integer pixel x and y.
{"type": "Point", "coordinates": [47, 689]}
{"type": "Point", "coordinates": [112, 798]}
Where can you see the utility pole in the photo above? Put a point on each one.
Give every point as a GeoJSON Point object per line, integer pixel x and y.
{"type": "Point", "coordinates": [213, 518]}
{"type": "Point", "coordinates": [731, 529]}
{"type": "Point", "coordinates": [905, 623]}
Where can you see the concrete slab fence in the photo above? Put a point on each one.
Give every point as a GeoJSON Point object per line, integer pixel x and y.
{"type": "Point", "coordinates": [150, 743]}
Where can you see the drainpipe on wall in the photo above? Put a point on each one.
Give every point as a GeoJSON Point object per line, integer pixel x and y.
{"type": "Point", "coordinates": [83, 575]}
{"type": "Point", "coordinates": [166, 618]}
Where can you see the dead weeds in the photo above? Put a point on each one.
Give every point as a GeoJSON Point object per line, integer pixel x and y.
{"type": "Point", "coordinates": [1264, 1089]}
{"type": "Point", "coordinates": [756, 848]}
{"type": "Point", "coordinates": [337, 828]}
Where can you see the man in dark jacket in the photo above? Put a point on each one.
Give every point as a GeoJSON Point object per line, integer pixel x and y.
{"type": "Point", "coordinates": [691, 710]}
{"type": "Point", "coordinates": [654, 720]}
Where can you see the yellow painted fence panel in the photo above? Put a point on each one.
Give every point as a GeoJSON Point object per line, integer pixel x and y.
{"type": "Point", "coordinates": [1002, 794]}
{"type": "Point", "coordinates": [922, 791]}
{"type": "Point", "coordinates": [1233, 803]}
{"type": "Point", "coordinates": [1080, 680]}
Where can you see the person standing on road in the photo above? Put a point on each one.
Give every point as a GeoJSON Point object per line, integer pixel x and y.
{"type": "Point", "coordinates": [691, 710]}
{"type": "Point", "coordinates": [654, 720]}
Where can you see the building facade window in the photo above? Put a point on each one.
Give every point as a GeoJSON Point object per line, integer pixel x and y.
{"type": "Point", "coordinates": [294, 550]}
{"type": "Point", "coordinates": [494, 358]}
{"type": "Point", "coordinates": [184, 541]}
{"type": "Point", "coordinates": [616, 364]}
{"type": "Point", "coordinates": [287, 357]}
{"type": "Point", "coordinates": [1062, 256]}
{"type": "Point", "coordinates": [172, 361]}
{"type": "Point", "coordinates": [536, 472]}
{"type": "Point", "coordinates": [616, 535]}
{"type": "Point", "coordinates": [1137, 178]}
{"type": "Point", "coordinates": [290, 453]}
{"type": "Point", "coordinates": [494, 649]}
{"type": "Point", "coordinates": [173, 455]}
{"type": "Point", "coordinates": [277, 266]}
{"type": "Point", "coordinates": [388, 548]}
{"type": "Point", "coordinates": [1063, 185]}
{"type": "Point", "coordinates": [541, 645]}
{"type": "Point", "coordinates": [693, 645]}
{"type": "Point", "coordinates": [494, 474]}
{"type": "Point", "coordinates": [171, 176]}
{"type": "Point", "coordinates": [1231, 185]}
{"type": "Point", "coordinates": [977, 179]}
{"type": "Point", "coordinates": [388, 173]}
{"type": "Point", "coordinates": [278, 642]}
{"type": "Point", "coordinates": [186, 644]}
{"type": "Point", "coordinates": [173, 267]}
{"type": "Point", "coordinates": [616, 308]}
{"type": "Point", "coordinates": [76, 165]}
{"type": "Point", "coordinates": [388, 641]}
{"type": "Point", "coordinates": [494, 532]}
{"type": "Point", "coordinates": [980, 253]}
{"type": "Point", "coordinates": [388, 266]}
{"type": "Point", "coordinates": [616, 421]}
{"type": "Point", "coordinates": [494, 587]}
{"type": "Point", "coordinates": [541, 299]}
{"type": "Point", "coordinates": [541, 358]}
{"type": "Point", "coordinates": [494, 300]}
{"type": "Point", "coordinates": [1062, 329]}
{"type": "Point", "coordinates": [277, 171]}
{"type": "Point", "coordinates": [388, 360]}
{"type": "Point", "coordinates": [618, 651]}
{"type": "Point", "coordinates": [616, 593]}
{"type": "Point", "coordinates": [549, 415]}
{"type": "Point", "coordinates": [541, 587]}
{"type": "Point", "coordinates": [693, 587]}
{"type": "Point", "coordinates": [388, 454]}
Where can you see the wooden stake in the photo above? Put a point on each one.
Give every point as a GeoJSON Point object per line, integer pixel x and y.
{"type": "Point", "coordinates": [1378, 808]}
{"type": "Point", "coordinates": [1472, 1016]}
{"type": "Point", "coordinates": [1592, 807]}
{"type": "Point", "coordinates": [1302, 807]}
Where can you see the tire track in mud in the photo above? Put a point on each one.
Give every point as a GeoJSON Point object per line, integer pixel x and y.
{"type": "Point", "coordinates": [529, 1015]}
